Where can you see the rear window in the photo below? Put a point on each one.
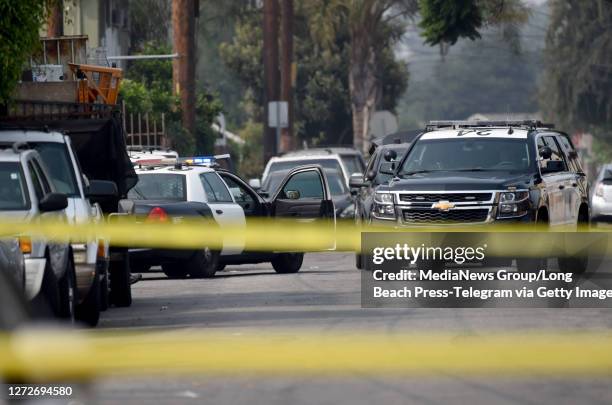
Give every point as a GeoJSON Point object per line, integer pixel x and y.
{"type": "Point", "coordinates": [13, 191]}
{"type": "Point", "coordinates": [160, 186]}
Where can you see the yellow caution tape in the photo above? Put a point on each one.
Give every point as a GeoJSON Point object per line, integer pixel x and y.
{"type": "Point", "coordinates": [43, 355]}
{"type": "Point", "coordinates": [286, 235]}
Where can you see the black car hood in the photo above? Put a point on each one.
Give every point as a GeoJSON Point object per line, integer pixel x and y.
{"type": "Point", "coordinates": [456, 181]}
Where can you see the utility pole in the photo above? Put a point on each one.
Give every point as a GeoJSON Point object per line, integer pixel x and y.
{"type": "Point", "coordinates": [55, 19]}
{"type": "Point", "coordinates": [271, 72]}
{"type": "Point", "coordinates": [184, 13]}
{"type": "Point", "coordinates": [287, 74]}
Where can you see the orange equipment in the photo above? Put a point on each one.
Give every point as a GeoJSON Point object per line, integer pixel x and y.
{"type": "Point", "coordinates": [97, 84]}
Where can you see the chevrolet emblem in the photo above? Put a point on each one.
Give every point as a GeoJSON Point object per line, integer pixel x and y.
{"type": "Point", "coordinates": [442, 206]}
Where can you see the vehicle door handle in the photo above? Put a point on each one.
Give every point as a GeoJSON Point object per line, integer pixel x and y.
{"type": "Point", "coordinates": [561, 187]}
{"type": "Point", "coordinates": [219, 212]}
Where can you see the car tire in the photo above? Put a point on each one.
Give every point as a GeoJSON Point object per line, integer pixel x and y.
{"type": "Point", "coordinates": [88, 311]}
{"type": "Point", "coordinates": [139, 268]}
{"type": "Point", "coordinates": [220, 266]}
{"type": "Point", "coordinates": [359, 261]}
{"type": "Point", "coordinates": [203, 264]}
{"type": "Point", "coordinates": [175, 270]}
{"type": "Point", "coordinates": [67, 294]}
{"type": "Point", "coordinates": [120, 286]}
{"type": "Point", "coordinates": [286, 263]}
{"type": "Point", "coordinates": [46, 303]}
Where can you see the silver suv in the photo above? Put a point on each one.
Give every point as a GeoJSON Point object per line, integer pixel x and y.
{"type": "Point", "coordinates": [27, 194]}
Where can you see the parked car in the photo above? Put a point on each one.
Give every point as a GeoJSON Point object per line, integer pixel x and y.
{"type": "Point", "coordinates": [326, 158]}
{"type": "Point", "coordinates": [28, 194]}
{"type": "Point", "coordinates": [343, 201]}
{"type": "Point", "coordinates": [90, 259]}
{"type": "Point", "coordinates": [351, 158]}
{"type": "Point", "coordinates": [601, 197]}
{"type": "Point", "coordinates": [484, 173]}
{"type": "Point", "coordinates": [192, 190]}
{"type": "Point", "coordinates": [12, 261]}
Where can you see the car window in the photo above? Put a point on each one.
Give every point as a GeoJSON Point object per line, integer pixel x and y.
{"type": "Point", "coordinates": [307, 183]}
{"type": "Point", "coordinates": [326, 163]}
{"type": "Point", "coordinates": [13, 190]}
{"type": "Point", "coordinates": [573, 162]}
{"type": "Point", "coordinates": [239, 191]}
{"type": "Point", "coordinates": [36, 182]}
{"type": "Point", "coordinates": [352, 164]}
{"type": "Point", "coordinates": [557, 155]}
{"type": "Point", "coordinates": [159, 186]}
{"type": "Point", "coordinates": [467, 154]}
{"type": "Point", "coordinates": [59, 166]}
{"type": "Point", "coordinates": [215, 188]}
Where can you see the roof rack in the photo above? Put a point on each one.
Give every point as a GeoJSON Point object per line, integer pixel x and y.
{"type": "Point", "coordinates": [527, 124]}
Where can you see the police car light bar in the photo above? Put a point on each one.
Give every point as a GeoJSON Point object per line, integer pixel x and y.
{"type": "Point", "coordinates": [529, 124]}
{"type": "Point", "coordinates": [203, 160]}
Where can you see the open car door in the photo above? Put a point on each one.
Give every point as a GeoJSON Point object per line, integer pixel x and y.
{"type": "Point", "coordinates": [304, 195]}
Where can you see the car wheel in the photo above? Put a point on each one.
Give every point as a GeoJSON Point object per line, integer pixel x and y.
{"type": "Point", "coordinates": [285, 263]}
{"type": "Point", "coordinates": [358, 261]}
{"type": "Point", "coordinates": [139, 268]}
{"type": "Point", "coordinates": [120, 286]}
{"type": "Point", "coordinates": [175, 270]}
{"type": "Point", "coordinates": [220, 266]}
{"type": "Point", "coordinates": [67, 294]}
{"type": "Point", "coordinates": [88, 311]}
{"type": "Point", "coordinates": [203, 264]}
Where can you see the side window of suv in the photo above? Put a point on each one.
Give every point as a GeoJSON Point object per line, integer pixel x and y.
{"type": "Point", "coordinates": [557, 154]}
{"type": "Point", "coordinates": [570, 152]}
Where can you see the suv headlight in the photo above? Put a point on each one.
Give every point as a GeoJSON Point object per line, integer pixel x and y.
{"type": "Point", "coordinates": [383, 198]}
{"type": "Point", "coordinates": [513, 204]}
{"type": "Point", "coordinates": [383, 207]}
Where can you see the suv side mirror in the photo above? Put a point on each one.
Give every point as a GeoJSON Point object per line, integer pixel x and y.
{"type": "Point", "coordinates": [101, 190]}
{"type": "Point", "coordinates": [390, 155]}
{"type": "Point", "coordinates": [255, 183]}
{"type": "Point", "coordinates": [53, 202]}
{"type": "Point", "coordinates": [356, 181]}
{"type": "Point", "coordinates": [554, 166]}
{"type": "Point", "coordinates": [545, 152]}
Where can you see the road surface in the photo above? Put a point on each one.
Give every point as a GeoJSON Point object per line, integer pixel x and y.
{"type": "Point", "coordinates": [325, 297]}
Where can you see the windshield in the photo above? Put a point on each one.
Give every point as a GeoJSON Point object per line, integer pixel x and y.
{"type": "Point", "coordinates": [56, 159]}
{"type": "Point", "coordinates": [352, 163]}
{"type": "Point", "coordinates": [337, 187]}
{"type": "Point", "coordinates": [291, 164]}
{"type": "Point", "coordinates": [467, 155]}
{"type": "Point", "coordinates": [159, 186]}
{"type": "Point", "coordinates": [13, 195]}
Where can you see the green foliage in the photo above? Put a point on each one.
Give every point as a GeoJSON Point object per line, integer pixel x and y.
{"type": "Point", "coordinates": [445, 21]}
{"type": "Point", "coordinates": [208, 107]}
{"type": "Point", "coordinates": [19, 25]}
{"type": "Point", "coordinates": [251, 163]}
{"type": "Point", "coordinates": [577, 85]}
{"type": "Point", "coordinates": [149, 22]}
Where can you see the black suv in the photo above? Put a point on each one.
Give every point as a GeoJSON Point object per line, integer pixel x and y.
{"type": "Point", "coordinates": [485, 172]}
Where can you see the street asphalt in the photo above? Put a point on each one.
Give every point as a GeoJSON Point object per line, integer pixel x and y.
{"type": "Point", "coordinates": [324, 297]}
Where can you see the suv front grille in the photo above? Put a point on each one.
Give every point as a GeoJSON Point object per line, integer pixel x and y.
{"type": "Point", "coordinates": [451, 197]}
{"type": "Point", "coordinates": [436, 217]}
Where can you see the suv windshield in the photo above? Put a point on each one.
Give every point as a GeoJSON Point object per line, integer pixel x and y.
{"type": "Point", "coordinates": [290, 164]}
{"type": "Point", "coordinates": [56, 159]}
{"type": "Point", "coordinates": [160, 186]}
{"type": "Point", "coordinates": [467, 155]}
{"type": "Point", "coordinates": [13, 195]}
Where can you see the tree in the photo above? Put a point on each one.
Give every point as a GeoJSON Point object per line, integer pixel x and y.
{"type": "Point", "coordinates": [20, 22]}
{"type": "Point", "coordinates": [576, 90]}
